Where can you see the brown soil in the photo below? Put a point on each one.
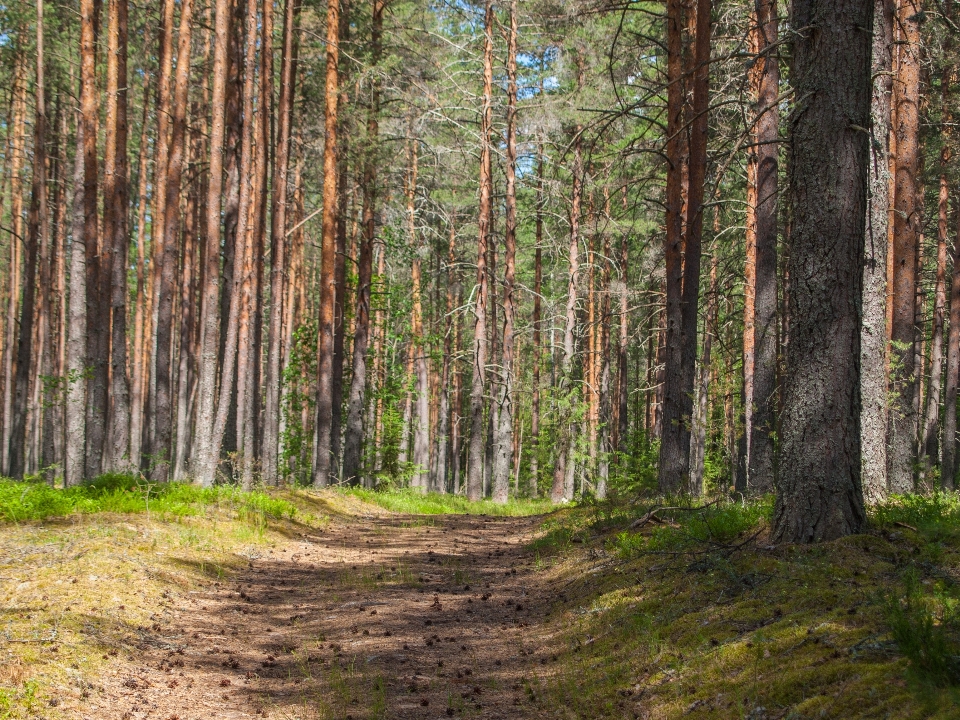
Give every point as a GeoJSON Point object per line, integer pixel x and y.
{"type": "Point", "coordinates": [382, 617]}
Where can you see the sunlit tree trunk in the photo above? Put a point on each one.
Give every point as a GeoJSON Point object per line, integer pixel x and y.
{"type": "Point", "coordinates": [537, 331]}
{"type": "Point", "coordinates": [906, 233]}
{"type": "Point", "coordinates": [208, 451]}
{"type": "Point", "coordinates": [278, 243]}
{"type": "Point", "coordinates": [322, 469]}
{"type": "Point", "coordinates": [505, 410]}
{"type": "Point", "coordinates": [873, 335]}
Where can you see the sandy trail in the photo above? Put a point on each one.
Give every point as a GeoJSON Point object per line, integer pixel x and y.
{"type": "Point", "coordinates": [375, 617]}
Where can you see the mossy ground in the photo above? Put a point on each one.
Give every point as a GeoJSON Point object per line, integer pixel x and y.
{"type": "Point", "coordinates": [695, 615]}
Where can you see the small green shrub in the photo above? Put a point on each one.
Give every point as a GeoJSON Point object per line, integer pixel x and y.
{"type": "Point", "coordinates": [926, 630]}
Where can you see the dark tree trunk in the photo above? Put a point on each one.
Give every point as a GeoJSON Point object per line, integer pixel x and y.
{"type": "Point", "coordinates": [819, 494]}
{"type": "Point", "coordinates": [761, 469]}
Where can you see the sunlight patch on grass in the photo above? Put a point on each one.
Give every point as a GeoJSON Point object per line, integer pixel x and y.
{"type": "Point", "coordinates": [415, 503]}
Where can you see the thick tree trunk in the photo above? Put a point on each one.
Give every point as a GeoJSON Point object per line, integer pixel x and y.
{"type": "Point", "coordinates": [505, 409]}
{"type": "Point", "coordinates": [37, 230]}
{"type": "Point", "coordinates": [906, 234]}
{"type": "Point", "coordinates": [873, 334]}
{"type": "Point", "coordinates": [819, 492]}
{"type": "Point", "coordinates": [478, 387]}
{"type": "Point", "coordinates": [208, 452]}
{"type": "Point", "coordinates": [761, 467]}
{"type": "Point", "coordinates": [322, 468]}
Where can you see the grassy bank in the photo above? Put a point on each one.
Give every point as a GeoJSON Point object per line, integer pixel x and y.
{"type": "Point", "coordinates": [691, 613]}
{"type": "Point", "coordinates": [95, 571]}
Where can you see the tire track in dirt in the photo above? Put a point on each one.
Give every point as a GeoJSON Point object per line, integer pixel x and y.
{"type": "Point", "coordinates": [375, 617]}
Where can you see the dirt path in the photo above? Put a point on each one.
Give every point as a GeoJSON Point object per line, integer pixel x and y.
{"type": "Point", "coordinates": [382, 617]}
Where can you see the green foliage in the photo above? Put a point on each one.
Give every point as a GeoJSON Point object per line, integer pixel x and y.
{"type": "Point", "coordinates": [936, 516]}
{"type": "Point", "coordinates": [296, 440]}
{"type": "Point", "coordinates": [118, 493]}
{"type": "Point", "coordinates": [415, 503]}
{"type": "Point", "coordinates": [683, 527]}
{"type": "Point", "coordinates": [926, 627]}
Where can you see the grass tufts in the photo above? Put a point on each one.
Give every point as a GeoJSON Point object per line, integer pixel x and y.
{"type": "Point", "coordinates": [416, 503]}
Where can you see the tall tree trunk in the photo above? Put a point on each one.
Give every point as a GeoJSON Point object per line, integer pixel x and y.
{"type": "Point", "coordinates": [698, 445]}
{"type": "Point", "coordinates": [537, 332]}
{"type": "Point", "coordinates": [505, 410]}
{"type": "Point", "coordinates": [96, 386]}
{"type": "Point", "coordinates": [948, 467]}
{"type": "Point", "coordinates": [671, 477]}
{"type": "Point", "coordinates": [76, 328]}
{"type": "Point", "coordinates": [116, 227]}
{"type": "Point", "coordinates": [163, 408]}
{"type": "Point", "coordinates": [561, 490]}
{"type": "Point", "coordinates": [354, 435]}
{"type": "Point", "coordinates": [761, 468]}
{"type": "Point", "coordinates": [906, 233]}
{"type": "Point", "coordinates": [139, 364]}
{"type": "Point", "coordinates": [620, 445]}
{"type": "Point", "coordinates": [603, 359]}
{"type": "Point", "coordinates": [819, 493]}
{"type": "Point", "coordinates": [930, 445]}
{"type": "Point", "coordinates": [278, 242]}
{"type": "Point", "coordinates": [16, 147]}
{"type": "Point", "coordinates": [873, 335]}
{"type": "Point", "coordinates": [322, 469]}
{"type": "Point", "coordinates": [682, 332]}
{"type": "Point", "coordinates": [208, 451]}
{"type": "Point", "coordinates": [477, 390]}
{"type": "Point", "coordinates": [441, 468]}
{"type": "Point", "coordinates": [37, 228]}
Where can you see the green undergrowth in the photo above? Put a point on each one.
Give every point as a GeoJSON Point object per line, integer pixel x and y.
{"type": "Point", "coordinates": [669, 610]}
{"type": "Point", "coordinates": [120, 493]}
{"type": "Point", "coordinates": [412, 502]}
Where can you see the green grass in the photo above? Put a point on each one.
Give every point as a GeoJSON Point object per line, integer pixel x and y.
{"type": "Point", "coordinates": [415, 503]}
{"type": "Point", "coordinates": [118, 493]}
{"type": "Point", "coordinates": [696, 615]}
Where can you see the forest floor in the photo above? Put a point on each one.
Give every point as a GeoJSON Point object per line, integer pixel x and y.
{"type": "Point", "coordinates": [348, 611]}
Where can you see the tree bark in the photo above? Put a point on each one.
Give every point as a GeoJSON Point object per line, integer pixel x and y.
{"type": "Point", "coordinates": [97, 346]}
{"type": "Point", "coordinates": [208, 452]}
{"type": "Point", "coordinates": [761, 461]}
{"type": "Point", "coordinates": [561, 490]}
{"type": "Point", "coordinates": [906, 233]}
{"type": "Point", "coordinates": [537, 332]}
{"type": "Point", "coordinates": [478, 387]}
{"type": "Point", "coordinates": [672, 471]}
{"type": "Point", "coordinates": [138, 365]}
{"type": "Point", "coordinates": [819, 493]}
{"type": "Point", "coordinates": [116, 226]}
{"type": "Point", "coordinates": [278, 243]}
{"type": "Point", "coordinates": [322, 469]}
{"type": "Point", "coordinates": [163, 408]}
{"type": "Point", "coordinates": [76, 329]}
{"type": "Point", "coordinates": [873, 335]}
{"type": "Point", "coordinates": [505, 410]}
{"type": "Point", "coordinates": [37, 229]}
